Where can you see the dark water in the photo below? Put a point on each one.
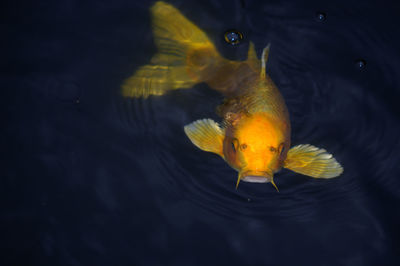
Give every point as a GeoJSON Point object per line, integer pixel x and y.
{"type": "Point", "coordinates": [90, 178]}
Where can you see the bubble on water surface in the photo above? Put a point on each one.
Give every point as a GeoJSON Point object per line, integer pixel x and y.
{"type": "Point", "coordinates": [360, 63]}
{"type": "Point", "coordinates": [233, 37]}
{"type": "Point", "coordinates": [321, 16]}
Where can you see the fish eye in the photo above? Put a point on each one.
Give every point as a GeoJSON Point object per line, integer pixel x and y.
{"type": "Point", "coordinates": [272, 149]}
{"type": "Point", "coordinates": [243, 146]}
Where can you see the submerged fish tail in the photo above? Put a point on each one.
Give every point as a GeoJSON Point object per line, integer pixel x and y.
{"type": "Point", "coordinates": [185, 55]}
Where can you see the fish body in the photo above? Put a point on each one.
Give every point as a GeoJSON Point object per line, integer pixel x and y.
{"type": "Point", "coordinates": [254, 135]}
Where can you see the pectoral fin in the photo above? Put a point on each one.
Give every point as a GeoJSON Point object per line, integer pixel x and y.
{"type": "Point", "coordinates": [207, 135]}
{"type": "Point", "coordinates": [312, 161]}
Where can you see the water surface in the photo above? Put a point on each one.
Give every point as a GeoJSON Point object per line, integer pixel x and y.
{"type": "Point", "coordinates": [94, 179]}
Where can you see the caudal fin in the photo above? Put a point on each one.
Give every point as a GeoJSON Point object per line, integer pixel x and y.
{"type": "Point", "coordinates": [184, 51]}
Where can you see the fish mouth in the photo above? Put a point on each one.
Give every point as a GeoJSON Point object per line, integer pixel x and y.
{"type": "Point", "coordinates": [256, 177]}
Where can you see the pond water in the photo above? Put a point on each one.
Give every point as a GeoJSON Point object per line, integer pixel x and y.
{"type": "Point", "coordinates": [92, 178]}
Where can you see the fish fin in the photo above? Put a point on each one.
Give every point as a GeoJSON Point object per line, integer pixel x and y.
{"type": "Point", "coordinates": [238, 180]}
{"type": "Point", "coordinates": [183, 51]}
{"type": "Point", "coordinates": [264, 60]}
{"type": "Point", "coordinates": [207, 135]}
{"type": "Point", "coordinates": [252, 59]}
{"type": "Point", "coordinates": [312, 161]}
{"type": "Point", "coordinates": [273, 183]}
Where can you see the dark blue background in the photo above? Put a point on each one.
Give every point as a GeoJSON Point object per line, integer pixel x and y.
{"type": "Point", "coordinates": [90, 178]}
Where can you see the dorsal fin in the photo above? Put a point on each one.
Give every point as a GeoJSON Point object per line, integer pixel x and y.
{"type": "Point", "coordinates": [252, 59]}
{"type": "Point", "coordinates": [264, 59]}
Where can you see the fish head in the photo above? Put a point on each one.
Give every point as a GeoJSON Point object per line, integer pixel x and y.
{"type": "Point", "coordinates": [256, 147]}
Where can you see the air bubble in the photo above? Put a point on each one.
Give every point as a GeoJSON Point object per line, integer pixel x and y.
{"type": "Point", "coordinates": [321, 16]}
{"type": "Point", "coordinates": [361, 63]}
{"type": "Point", "coordinates": [233, 37]}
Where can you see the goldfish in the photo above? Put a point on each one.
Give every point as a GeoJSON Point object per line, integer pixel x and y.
{"type": "Point", "coordinates": [253, 136]}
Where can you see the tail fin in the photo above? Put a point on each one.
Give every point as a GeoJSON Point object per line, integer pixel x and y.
{"type": "Point", "coordinates": [183, 52]}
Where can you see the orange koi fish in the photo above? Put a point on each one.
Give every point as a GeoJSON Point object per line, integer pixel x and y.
{"type": "Point", "coordinates": [254, 136]}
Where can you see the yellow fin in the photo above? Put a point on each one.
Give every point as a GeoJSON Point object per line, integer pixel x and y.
{"type": "Point", "coordinates": [312, 161]}
{"type": "Point", "coordinates": [273, 183]}
{"type": "Point", "coordinates": [155, 80]}
{"type": "Point", "coordinates": [238, 180]}
{"type": "Point", "coordinates": [207, 135]}
{"type": "Point", "coordinates": [175, 37]}
{"type": "Point", "coordinates": [252, 59]}
{"type": "Point", "coordinates": [264, 60]}
{"type": "Point", "coordinates": [171, 29]}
